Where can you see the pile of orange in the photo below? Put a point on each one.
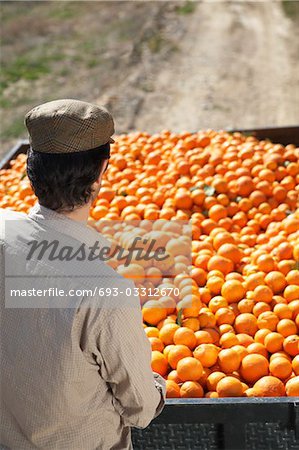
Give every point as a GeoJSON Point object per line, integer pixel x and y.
{"type": "Point", "coordinates": [233, 328]}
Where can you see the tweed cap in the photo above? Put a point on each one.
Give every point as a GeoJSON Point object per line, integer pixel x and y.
{"type": "Point", "coordinates": [67, 126]}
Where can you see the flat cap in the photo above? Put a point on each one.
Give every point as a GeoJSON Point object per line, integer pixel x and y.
{"type": "Point", "coordinates": [67, 126]}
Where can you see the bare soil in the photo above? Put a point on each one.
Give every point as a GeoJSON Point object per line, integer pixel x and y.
{"type": "Point", "coordinates": [175, 64]}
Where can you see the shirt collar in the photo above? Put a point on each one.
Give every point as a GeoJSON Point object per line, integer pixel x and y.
{"type": "Point", "coordinates": [77, 230]}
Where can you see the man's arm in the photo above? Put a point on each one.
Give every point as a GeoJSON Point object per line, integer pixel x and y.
{"type": "Point", "coordinates": [123, 353]}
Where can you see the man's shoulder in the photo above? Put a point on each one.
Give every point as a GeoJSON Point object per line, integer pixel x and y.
{"type": "Point", "coordinates": [6, 215]}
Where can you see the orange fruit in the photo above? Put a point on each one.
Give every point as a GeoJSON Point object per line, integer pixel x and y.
{"type": "Point", "coordinates": [291, 345]}
{"type": "Point", "coordinates": [263, 294]}
{"type": "Point", "coordinates": [189, 369]}
{"type": "Point", "coordinates": [245, 339]}
{"type": "Point", "coordinates": [151, 331]}
{"type": "Point", "coordinates": [267, 320]}
{"type": "Point", "coordinates": [156, 344]}
{"type": "Point", "coordinates": [191, 389]}
{"type": "Point", "coordinates": [242, 351]}
{"type": "Point", "coordinates": [231, 251]}
{"type": "Point", "coordinates": [254, 367]}
{"type": "Point", "coordinates": [213, 380]}
{"type": "Point", "coordinates": [166, 333]}
{"type": "Point", "coordinates": [291, 292]}
{"type": "Point", "coordinates": [295, 365]}
{"type": "Point", "coordinates": [173, 375]}
{"type": "Point", "coordinates": [220, 263]}
{"type": "Point", "coordinates": [274, 342]}
{"type": "Point", "coordinates": [286, 327]}
{"type": "Point", "coordinates": [229, 360]}
{"type": "Point", "coordinates": [280, 368]}
{"type": "Point", "coordinates": [207, 354]}
{"type": "Point", "coordinates": [276, 281]}
{"type": "Point", "coordinates": [266, 263]}
{"type": "Point", "coordinates": [293, 277]}
{"type": "Point", "coordinates": [261, 334]}
{"type": "Point", "coordinates": [185, 336]}
{"type": "Point", "coordinates": [292, 387]}
{"type": "Point", "coordinates": [177, 353]}
{"type": "Point", "coordinates": [211, 394]}
{"type": "Point", "coordinates": [152, 313]}
{"type": "Point", "coordinates": [257, 348]}
{"type": "Point", "coordinates": [203, 337]}
{"type": "Point", "coordinates": [229, 387]}
{"type": "Point", "coordinates": [282, 311]}
{"type": "Point", "coordinates": [172, 389]}
{"type": "Point", "coordinates": [246, 323]}
{"type": "Point", "coordinates": [269, 386]}
{"type": "Point", "coordinates": [228, 339]}
{"type": "Point", "coordinates": [159, 363]}
{"type": "Point", "coordinates": [260, 307]}
{"type": "Point", "coordinates": [224, 316]}
{"type": "Point", "coordinates": [233, 291]}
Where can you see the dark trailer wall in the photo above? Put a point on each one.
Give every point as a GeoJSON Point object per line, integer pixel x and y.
{"type": "Point", "coordinates": [231, 424]}
{"type": "Point", "coordinates": [210, 424]}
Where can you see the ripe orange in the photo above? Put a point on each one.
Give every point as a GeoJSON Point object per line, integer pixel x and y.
{"type": "Point", "coordinates": [295, 365]}
{"type": "Point", "coordinates": [274, 342]}
{"type": "Point", "coordinates": [228, 339]}
{"type": "Point", "coordinates": [291, 292]}
{"type": "Point", "coordinates": [173, 375]}
{"type": "Point", "coordinates": [291, 345]}
{"type": "Point", "coordinates": [172, 389]}
{"type": "Point", "coordinates": [207, 354]}
{"type": "Point", "coordinates": [156, 344]}
{"type": "Point", "coordinates": [257, 348]}
{"type": "Point", "coordinates": [229, 360]}
{"type": "Point", "coordinates": [189, 369]}
{"type": "Point", "coordinates": [254, 367]}
{"type": "Point", "coordinates": [233, 291]}
{"type": "Point", "coordinates": [292, 387]}
{"type": "Point", "coordinates": [213, 380]}
{"type": "Point", "coordinates": [261, 334]}
{"type": "Point", "coordinates": [282, 311]}
{"type": "Point", "coordinates": [246, 323]}
{"type": "Point", "coordinates": [191, 389]}
{"type": "Point", "coordinates": [293, 277]}
{"type": "Point", "coordinates": [166, 333]}
{"type": "Point", "coordinates": [229, 387]}
{"type": "Point", "coordinates": [267, 320]}
{"type": "Point", "coordinates": [203, 337]}
{"type": "Point", "coordinates": [266, 263]}
{"type": "Point", "coordinates": [276, 281]}
{"type": "Point", "coordinates": [159, 363]}
{"type": "Point", "coordinates": [269, 386]}
{"type": "Point", "coordinates": [177, 353]}
{"type": "Point", "coordinates": [224, 316]}
{"type": "Point", "coordinates": [231, 251]}
{"type": "Point", "coordinates": [263, 294]}
{"type": "Point", "coordinates": [286, 327]}
{"type": "Point", "coordinates": [245, 339]}
{"type": "Point", "coordinates": [220, 263]}
{"type": "Point", "coordinates": [185, 336]}
{"type": "Point", "coordinates": [153, 313]}
{"type": "Point", "coordinates": [280, 368]}
{"type": "Point", "coordinates": [151, 331]}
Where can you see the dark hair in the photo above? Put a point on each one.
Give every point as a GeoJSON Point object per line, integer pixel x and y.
{"type": "Point", "coordinates": [63, 181]}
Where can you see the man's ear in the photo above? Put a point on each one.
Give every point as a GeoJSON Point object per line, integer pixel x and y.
{"type": "Point", "coordinates": [103, 168]}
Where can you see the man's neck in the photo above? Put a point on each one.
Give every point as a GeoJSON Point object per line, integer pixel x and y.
{"type": "Point", "coordinates": [79, 214]}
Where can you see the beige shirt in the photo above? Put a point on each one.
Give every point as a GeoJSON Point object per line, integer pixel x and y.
{"type": "Point", "coordinates": [75, 373]}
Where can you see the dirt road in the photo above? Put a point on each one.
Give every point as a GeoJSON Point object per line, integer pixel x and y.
{"type": "Point", "coordinates": [156, 65]}
{"type": "Point", "coordinates": [238, 66]}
